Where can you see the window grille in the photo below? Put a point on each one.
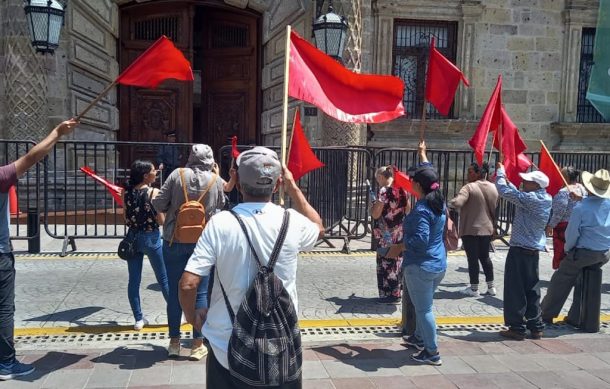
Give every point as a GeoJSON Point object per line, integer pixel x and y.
{"type": "Point", "coordinates": [585, 112]}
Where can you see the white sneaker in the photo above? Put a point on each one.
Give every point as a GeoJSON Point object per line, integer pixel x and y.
{"type": "Point", "coordinates": [469, 292]}
{"type": "Point", "coordinates": [183, 320]}
{"type": "Point", "coordinates": [491, 292]}
{"type": "Point", "coordinates": [140, 324]}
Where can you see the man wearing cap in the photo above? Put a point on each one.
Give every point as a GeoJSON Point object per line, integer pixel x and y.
{"type": "Point", "coordinates": [587, 244]}
{"type": "Point", "coordinates": [521, 283]}
{"type": "Point", "coordinates": [224, 245]}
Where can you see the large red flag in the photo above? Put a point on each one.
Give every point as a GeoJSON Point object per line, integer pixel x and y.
{"type": "Point", "coordinates": [234, 150]}
{"type": "Point", "coordinates": [301, 158]}
{"type": "Point", "coordinates": [442, 80]}
{"type": "Point", "coordinates": [548, 166]}
{"type": "Point", "coordinates": [347, 96]}
{"type": "Point", "coordinates": [512, 148]}
{"type": "Point", "coordinates": [160, 61]}
{"type": "Point", "coordinates": [490, 120]}
{"type": "Point", "coordinates": [403, 181]}
{"type": "Point", "coordinates": [114, 190]}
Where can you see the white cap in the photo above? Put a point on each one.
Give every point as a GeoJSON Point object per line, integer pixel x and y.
{"type": "Point", "coordinates": [536, 176]}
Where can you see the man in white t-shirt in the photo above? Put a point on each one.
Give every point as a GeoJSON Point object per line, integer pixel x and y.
{"type": "Point", "coordinates": [223, 244]}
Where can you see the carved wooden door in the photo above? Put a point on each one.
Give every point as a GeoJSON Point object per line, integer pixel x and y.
{"type": "Point", "coordinates": [229, 81]}
{"type": "Point", "coordinates": [146, 115]}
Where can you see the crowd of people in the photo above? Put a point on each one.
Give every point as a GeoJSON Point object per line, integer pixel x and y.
{"type": "Point", "coordinates": [231, 273]}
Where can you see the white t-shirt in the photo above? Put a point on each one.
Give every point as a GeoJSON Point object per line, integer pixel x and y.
{"type": "Point", "coordinates": [224, 244]}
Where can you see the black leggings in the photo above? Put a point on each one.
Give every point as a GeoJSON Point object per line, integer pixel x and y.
{"type": "Point", "coordinates": [477, 249]}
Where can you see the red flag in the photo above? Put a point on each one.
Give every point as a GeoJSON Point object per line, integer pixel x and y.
{"type": "Point", "coordinates": [442, 80]}
{"type": "Point", "coordinates": [234, 151]}
{"type": "Point", "coordinates": [512, 148]}
{"type": "Point", "coordinates": [114, 190]}
{"type": "Point", "coordinates": [548, 166]}
{"type": "Point", "coordinates": [489, 122]}
{"type": "Point", "coordinates": [347, 96]}
{"type": "Point", "coordinates": [160, 61]}
{"type": "Point", "coordinates": [403, 181]}
{"type": "Point", "coordinates": [301, 158]}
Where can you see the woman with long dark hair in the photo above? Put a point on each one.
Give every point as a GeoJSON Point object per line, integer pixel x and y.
{"type": "Point", "coordinates": [389, 209]}
{"type": "Point", "coordinates": [563, 204]}
{"type": "Point", "coordinates": [424, 257]}
{"type": "Point", "coordinates": [143, 222]}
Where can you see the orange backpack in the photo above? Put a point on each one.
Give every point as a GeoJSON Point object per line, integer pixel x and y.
{"type": "Point", "coordinates": [190, 220]}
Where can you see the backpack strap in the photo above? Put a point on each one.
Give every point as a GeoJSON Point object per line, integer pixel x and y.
{"type": "Point", "coordinates": [186, 195]}
{"type": "Point", "coordinates": [212, 182]}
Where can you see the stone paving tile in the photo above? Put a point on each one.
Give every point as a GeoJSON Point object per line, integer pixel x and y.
{"type": "Point", "coordinates": [433, 381]}
{"type": "Point", "coordinates": [484, 364]}
{"type": "Point", "coordinates": [545, 379]}
{"type": "Point", "coordinates": [314, 369]}
{"type": "Point", "coordinates": [186, 374]}
{"type": "Point", "coordinates": [341, 369]}
{"type": "Point", "coordinates": [454, 365]}
{"type": "Point", "coordinates": [605, 356]}
{"type": "Point", "coordinates": [518, 362]}
{"type": "Point", "coordinates": [318, 384]}
{"type": "Point", "coordinates": [160, 375]}
{"type": "Point", "coordinates": [582, 379]}
{"type": "Point", "coordinates": [590, 345]}
{"type": "Point", "coordinates": [310, 355]}
{"type": "Point", "coordinates": [507, 380]}
{"type": "Point", "coordinates": [470, 381]}
{"type": "Point", "coordinates": [377, 367]}
{"type": "Point", "coordinates": [601, 374]}
{"type": "Point", "coordinates": [414, 369]}
{"type": "Point", "coordinates": [586, 361]}
{"type": "Point", "coordinates": [525, 347]}
{"type": "Point", "coordinates": [557, 346]}
{"type": "Point", "coordinates": [67, 379]}
{"type": "Point", "coordinates": [460, 348]}
{"type": "Point", "coordinates": [352, 383]}
{"type": "Point", "coordinates": [496, 348]}
{"type": "Point", "coordinates": [553, 362]}
{"type": "Point", "coordinates": [398, 382]}
{"type": "Point", "coordinates": [108, 377]}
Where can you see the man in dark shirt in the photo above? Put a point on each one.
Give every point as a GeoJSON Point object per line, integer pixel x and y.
{"type": "Point", "coordinates": [9, 366]}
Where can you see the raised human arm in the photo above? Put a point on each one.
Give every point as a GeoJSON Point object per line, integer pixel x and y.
{"type": "Point", "coordinates": [299, 202]}
{"type": "Point", "coordinates": [43, 148]}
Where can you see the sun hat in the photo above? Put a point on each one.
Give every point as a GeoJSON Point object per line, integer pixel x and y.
{"type": "Point", "coordinates": [598, 183]}
{"type": "Point", "coordinates": [536, 176]}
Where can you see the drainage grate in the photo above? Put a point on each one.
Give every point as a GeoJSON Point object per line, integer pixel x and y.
{"type": "Point", "coordinates": [311, 334]}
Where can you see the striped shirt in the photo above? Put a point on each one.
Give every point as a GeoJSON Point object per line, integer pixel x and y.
{"type": "Point", "coordinates": [563, 204]}
{"type": "Point", "coordinates": [531, 214]}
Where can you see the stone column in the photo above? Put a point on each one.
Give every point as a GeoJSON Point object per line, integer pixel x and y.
{"type": "Point", "coordinates": [24, 78]}
{"type": "Point", "coordinates": [334, 132]}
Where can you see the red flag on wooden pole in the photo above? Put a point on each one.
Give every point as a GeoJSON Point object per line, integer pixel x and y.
{"type": "Point", "coordinates": [347, 96]}
{"type": "Point", "coordinates": [442, 80]}
{"type": "Point", "coordinates": [491, 119]}
{"type": "Point", "coordinates": [234, 151]}
{"type": "Point", "coordinates": [512, 149]}
{"type": "Point", "coordinates": [301, 158]}
{"type": "Point", "coordinates": [403, 181]}
{"type": "Point", "coordinates": [548, 166]}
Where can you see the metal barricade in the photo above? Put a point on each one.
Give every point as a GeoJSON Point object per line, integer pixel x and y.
{"type": "Point", "coordinates": [24, 223]}
{"type": "Point", "coordinates": [76, 206]}
{"type": "Point", "coordinates": [337, 191]}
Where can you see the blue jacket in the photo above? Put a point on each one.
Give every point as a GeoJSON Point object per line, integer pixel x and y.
{"type": "Point", "coordinates": [423, 239]}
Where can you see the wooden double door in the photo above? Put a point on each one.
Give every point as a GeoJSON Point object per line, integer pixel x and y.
{"type": "Point", "coordinates": [223, 100]}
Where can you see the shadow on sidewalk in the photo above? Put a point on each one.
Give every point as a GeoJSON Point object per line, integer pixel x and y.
{"type": "Point", "coordinates": [70, 315]}
{"type": "Point", "coordinates": [132, 359]}
{"type": "Point", "coordinates": [355, 304]}
{"type": "Point", "coordinates": [370, 358]}
{"type": "Point", "coordinates": [50, 362]}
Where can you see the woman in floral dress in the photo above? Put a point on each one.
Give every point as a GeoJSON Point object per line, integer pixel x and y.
{"type": "Point", "coordinates": [389, 209]}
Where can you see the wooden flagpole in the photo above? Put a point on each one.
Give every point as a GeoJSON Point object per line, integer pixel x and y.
{"type": "Point", "coordinates": [554, 164]}
{"type": "Point", "coordinates": [422, 124]}
{"type": "Point", "coordinates": [95, 101]}
{"type": "Point", "coordinates": [285, 105]}
{"type": "Point", "coordinates": [294, 121]}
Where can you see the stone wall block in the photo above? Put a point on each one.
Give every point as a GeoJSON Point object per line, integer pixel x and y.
{"type": "Point", "coordinates": [536, 97]}
{"type": "Point", "coordinates": [548, 44]}
{"type": "Point", "coordinates": [493, 42]}
{"type": "Point", "coordinates": [515, 96]}
{"type": "Point", "coordinates": [551, 61]}
{"type": "Point", "coordinates": [544, 113]}
{"type": "Point", "coordinates": [497, 15]}
{"type": "Point", "coordinates": [520, 43]}
{"type": "Point", "coordinates": [525, 61]}
{"type": "Point", "coordinates": [503, 29]}
{"type": "Point", "coordinates": [532, 29]}
{"type": "Point", "coordinates": [494, 59]}
{"type": "Point", "coordinates": [518, 112]}
{"type": "Point", "coordinates": [552, 97]}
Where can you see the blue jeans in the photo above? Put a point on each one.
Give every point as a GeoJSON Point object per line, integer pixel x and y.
{"type": "Point", "coordinates": [176, 256]}
{"type": "Point", "coordinates": [421, 285]}
{"type": "Point", "coordinates": [148, 243]}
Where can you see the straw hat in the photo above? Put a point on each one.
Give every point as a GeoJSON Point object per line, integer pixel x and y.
{"type": "Point", "coordinates": [598, 183]}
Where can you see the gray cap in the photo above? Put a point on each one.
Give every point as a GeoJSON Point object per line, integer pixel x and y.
{"type": "Point", "coordinates": [201, 157]}
{"type": "Point", "coordinates": [258, 168]}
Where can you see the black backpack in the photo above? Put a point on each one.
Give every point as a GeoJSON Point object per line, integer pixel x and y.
{"type": "Point", "coordinates": [265, 345]}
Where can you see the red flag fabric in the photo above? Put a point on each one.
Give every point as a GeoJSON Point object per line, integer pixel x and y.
{"type": "Point", "coordinates": [301, 158]}
{"type": "Point", "coordinates": [114, 190]}
{"type": "Point", "coordinates": [512, 148]}
{"type": "Point", "coordinates": [160, 61]}
{"type": "Point", "coordinates": [489, 122]}
{"type": "Point", "coordinates": [347, 96]}
{"type": "Point", "coordinates": [442, 80]}
{"type": "Point", "coordinates": [403, 181]}
{"type": "Point", "coordinates": [548, 166]}
{"type": "Point", "coordinates": [234, 151]}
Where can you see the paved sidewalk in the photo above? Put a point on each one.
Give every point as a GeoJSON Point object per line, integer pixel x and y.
{"type": "Point", "coordinates": [472, 360]}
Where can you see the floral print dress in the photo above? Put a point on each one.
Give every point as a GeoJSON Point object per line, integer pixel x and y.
{"type": "Point", "coordinates": [389, 232]}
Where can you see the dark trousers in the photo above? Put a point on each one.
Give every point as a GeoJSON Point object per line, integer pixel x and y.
{"type": "Point", "coordinates": [219, 377]}
{"type": "Point", "coordinates": [409, 317]}
{"type": "Point", "coordinates": [477, 250]}
{"type": "Point", "coordinates": [7, 308]}
{"type": "Point", "coordinates": [522, 290]}
{"type": "Point", "coordinates": [568, 276]}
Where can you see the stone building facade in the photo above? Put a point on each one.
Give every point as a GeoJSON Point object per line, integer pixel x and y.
{"type": "Point", "coordinates": [536, 45]}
